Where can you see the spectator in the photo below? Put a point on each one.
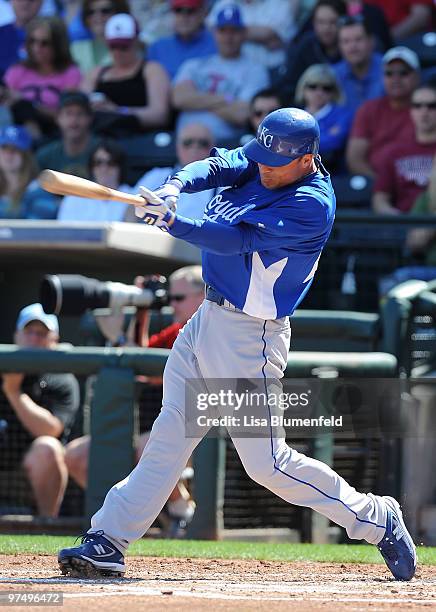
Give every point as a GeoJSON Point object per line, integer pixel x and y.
{"type": "Point", "coordinates": [376, 20]}
{"type": "Point", "coordinates": [186, 295]}
{"type": "Point", "coordinates": [154, 19]}
{"type": "Point", "coordinates": [405, 168]}
{"type": "Point", "coordinates": [17, 169]}
{"type": "Point", "coordinates": [318, 93]}
{"type": "Point", "coordinates": [360, 71]}
{"type": "Point", "coordinates": [106, 167]}
{"type": "Point", "coordinates": [133, 94]}
{"type": "Point", "coordinates": [422, 241]}
{"type": "Point", "coordinates": [216, 90]}
{"type": "Point", "coordinates": [194, 142]}
{"type": "Point", "coordinates": [380, 122]}
{"type": "Point", "coordinates": [71, 153]}
{"type": "Point", "coordinates": [42, 409]}
{"type": "Point", "coordinates": [406, 17]}
{"type": "Point", "coordinates": [270, 25]}
{"type": "Point", "coordinates": [35, 84]}
{"type": "Point", "coordinates": [319, 46]}
{"type": "Point", "coordinates": [190, 40]}
{"type": "Point", "coordinates": [92, 52]}
{"type": "Point", "coordinates": [12, 35]}
{"type": "Point", "coordinates": [262, 104]}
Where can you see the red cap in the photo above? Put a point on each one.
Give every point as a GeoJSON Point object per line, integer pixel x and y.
{"type": "Point", "coordinates": [193, 4]}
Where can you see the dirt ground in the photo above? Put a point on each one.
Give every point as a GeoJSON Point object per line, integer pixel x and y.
{"type": "Point", "coordinates": [197, 584]}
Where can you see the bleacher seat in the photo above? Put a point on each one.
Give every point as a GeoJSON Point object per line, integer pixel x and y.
{"type": "Point", "coordinates": [352, 190]}
{"type": "Point", "coordinates": [424, 45]}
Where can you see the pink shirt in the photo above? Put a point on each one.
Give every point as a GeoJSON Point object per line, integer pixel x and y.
{"type": "Point", "coordinates": [44, 89]}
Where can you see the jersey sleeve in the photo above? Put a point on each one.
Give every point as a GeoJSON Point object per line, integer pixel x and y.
{"type": "Point", "coordinates": [286, 227]}
{"type": "Point", "coordinates": [226, 168]}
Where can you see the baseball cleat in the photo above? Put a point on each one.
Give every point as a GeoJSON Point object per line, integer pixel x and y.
{"type": "Point", "coordinates": [94, 558]}
{"type": "Point", "coordinates": [396, 546]}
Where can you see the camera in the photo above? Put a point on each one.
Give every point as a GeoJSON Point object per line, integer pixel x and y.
{"type": "Point", "coordinates": [73, 294]}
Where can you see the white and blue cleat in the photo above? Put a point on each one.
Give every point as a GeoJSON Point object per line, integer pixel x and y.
{"type": "Point", "coordinates": [397, 547]}
{"type": "Point", "coordinates": [95, 557]}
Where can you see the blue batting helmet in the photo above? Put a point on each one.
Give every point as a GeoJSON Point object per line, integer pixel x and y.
{"type": "Point", "coordinates": [284, 135]}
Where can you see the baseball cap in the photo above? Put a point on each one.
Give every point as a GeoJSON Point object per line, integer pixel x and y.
{"type": "Point", "coordinates": [35, 312]}
{"type": "Point", "coordinates": [70, 98]}
{"type": "Point", "coordinates": [192, 4]}
{"type": "Point", "coordinates": [229, 16]}
{"type": "Point", "coordinates": [404, 54]}
{"type": "Point", "coordinates": [121, 28]}
{"type": "Point", "coordinates": [15, 136]}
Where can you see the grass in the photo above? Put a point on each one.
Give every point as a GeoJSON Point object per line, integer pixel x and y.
{"type": "Point", "coordinates": [340, 553]}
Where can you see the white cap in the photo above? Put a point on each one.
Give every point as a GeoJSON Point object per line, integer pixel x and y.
{"type": "Point", "coordinates": [120, 28]}
{"type": "Point", "coordinates": [35, 312]}
{"type": "Point", "coordinates": [404, 54]}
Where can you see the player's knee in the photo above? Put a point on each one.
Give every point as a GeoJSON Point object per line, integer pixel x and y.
{"type": "Point", "coordinates": [45, 453]}
{"type": "Point", "coordinates": [262, 474]}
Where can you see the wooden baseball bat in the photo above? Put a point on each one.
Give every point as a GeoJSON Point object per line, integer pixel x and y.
{"type": "Point", "coordinates": [68, 184]}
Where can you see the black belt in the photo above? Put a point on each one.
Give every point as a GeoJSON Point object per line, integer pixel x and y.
{"type": "Point", "coordinates": [213, 296]}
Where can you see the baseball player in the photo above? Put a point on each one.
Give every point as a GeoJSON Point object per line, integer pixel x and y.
{"type": "Point", "coordinates": [261, 240]}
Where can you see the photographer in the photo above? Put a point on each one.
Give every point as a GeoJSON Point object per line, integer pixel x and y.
{"type": "Point", "coordinates": [186, 292]}
{"type": "Point", "coordinates": [41, 412]}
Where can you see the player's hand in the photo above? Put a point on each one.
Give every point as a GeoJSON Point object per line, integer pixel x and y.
{"type": "Point", "coordinates": [170, 194]}
{"type": "Point", "coordinates": [155, 211]}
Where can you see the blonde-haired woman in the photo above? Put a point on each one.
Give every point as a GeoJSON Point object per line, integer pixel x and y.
{"type": "Point", "coordinates": [319, 93]}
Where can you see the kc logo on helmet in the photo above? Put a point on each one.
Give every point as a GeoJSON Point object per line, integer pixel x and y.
{"type": "Point", "coordinates": [266, 138]}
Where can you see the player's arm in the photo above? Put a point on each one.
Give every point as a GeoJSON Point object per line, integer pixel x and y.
{"type": "Point", "coordinates": [224, 169]}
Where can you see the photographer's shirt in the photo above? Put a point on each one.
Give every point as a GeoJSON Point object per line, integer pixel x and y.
{"type": "Point", "coordinates": [166, 337]}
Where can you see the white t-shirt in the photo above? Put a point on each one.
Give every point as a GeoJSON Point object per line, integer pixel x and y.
{"type": "Point", "coordinates": [75, 208]}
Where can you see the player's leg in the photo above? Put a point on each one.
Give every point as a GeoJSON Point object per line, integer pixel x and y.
{"type": "Point", "coordinates": [251, 348]}
{"type": "Point", "coordinates": [45, 467]}
{"type": "Point", "coordinates": [131, 506]}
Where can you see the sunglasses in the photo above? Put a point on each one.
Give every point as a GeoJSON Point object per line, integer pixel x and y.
{"type": "Point", "coordinates": [104, 10]}
{"type": "Point", "coordinates": [41, 42]}
{"type": "Point", "coordinates": [96, 163]}
{"type": "Point", "coordinates": [176, 297]}
{"type": "Point", "coordinates": [184, 10]}
{"type": "Point", "coordinates": [115, 46]}
{"type": "Point", "coordinates": [321, 86]}
{"type": "Point", "coordinates": [400, 73]}
{"type": "Point", "coordinates": [428, 105]}
{"type": "Point", "coordinates": [199, 142]}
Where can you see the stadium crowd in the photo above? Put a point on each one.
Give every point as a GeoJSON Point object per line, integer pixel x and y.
{"type": "Point", "coordinates": [76, 76]}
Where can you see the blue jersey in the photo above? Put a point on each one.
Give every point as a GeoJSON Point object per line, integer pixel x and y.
{"type": "Point", "coordinates": [260, 247]}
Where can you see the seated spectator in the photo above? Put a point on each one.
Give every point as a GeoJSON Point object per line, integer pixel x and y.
{"type": "Point", "coordinates": [319, 94]}
{"type": "Point", "coordinates": [106, 167]}
{"type": "Point", "coordinates": [36, 83]}
{"type": "Point", "coordinates": [89, 53]}
{"type": "Point", "coordinates": [130, 94]}
{"type": "Point", "coordinates": [379, 123]}
{"type": "Point", "coordinates": [216, 90]}
{"type": "Point", "coordinates": [71, 153]}
{"type": "Point", "coordinates": [154, 19]}
{"type": "Point", "coordinates": [12, 35]}
{"type": "Point", "coordinates": [17, 169]}
{"type": "Point", "coordinates": [318, 46]}
{"type": "Point", "coordinates": [422, 241]}
{"type": "Point", "coordinates": [185, 295]}
{"type": "Point", "coordinates": [190, 40]}
{"type": "Point", "coordinates": [405, 169]}
{"type": "Point", "coordinates": [360, 71]}
{"type": "Point", "coordinates": [194, 142]}
{"type": "Point", "coordinates": [406, 17]}
{"type": "Point", "coordinates": [270, 25]}
{"type": "Point", "coordinates": [262, 104]}
{"type": "Point", "coordinates": [376, 20]}
{"type": "Point", "coordinates": [42, 409]}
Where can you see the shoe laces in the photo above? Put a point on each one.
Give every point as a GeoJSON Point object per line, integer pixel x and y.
{"type": "Point", "coordinates": [89, 537]}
